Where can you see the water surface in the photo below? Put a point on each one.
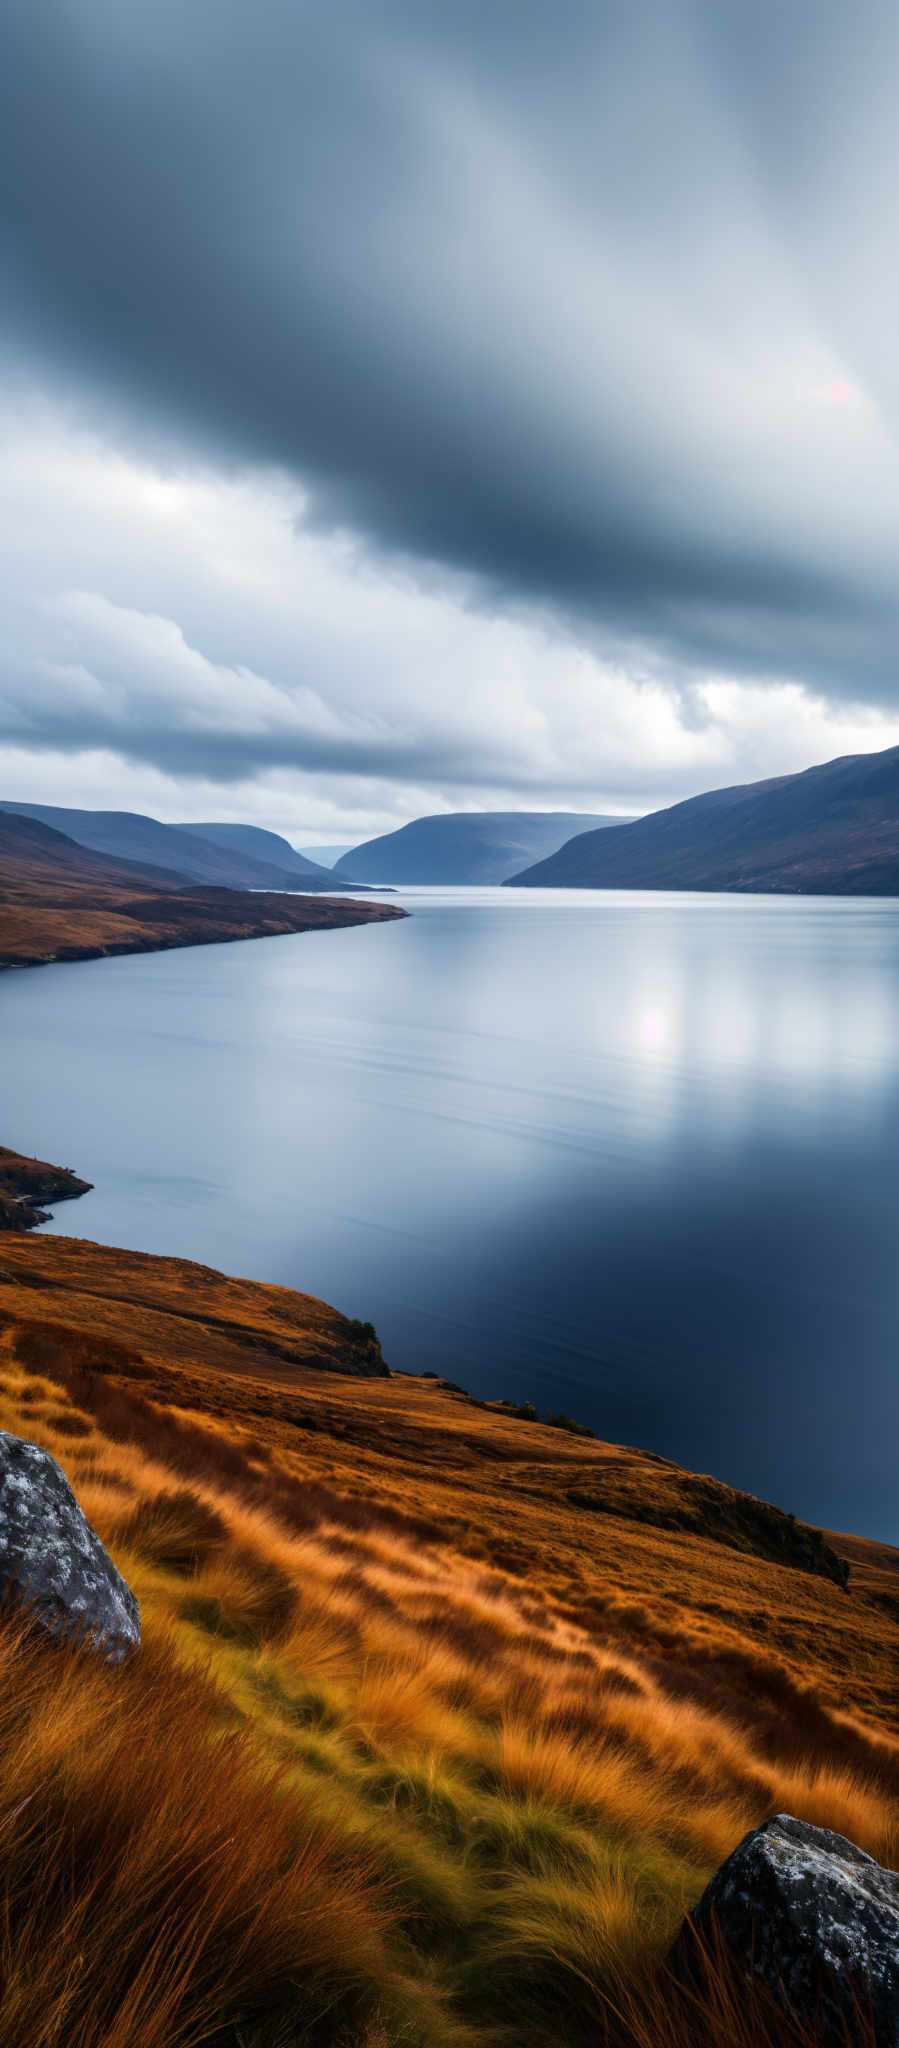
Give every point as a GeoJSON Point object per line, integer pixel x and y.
{"type": "Point", "coordinates": [633, 1156]}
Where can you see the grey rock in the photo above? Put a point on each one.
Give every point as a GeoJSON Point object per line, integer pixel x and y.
{"type": "Point", "coordinates": [816, 1919]}
{"type": "Point", "coordinates": [52, 1561]}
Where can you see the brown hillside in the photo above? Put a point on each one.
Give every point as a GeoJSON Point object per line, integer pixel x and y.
{"type": "Point", "coordinates": [59, 901]}
{"type": "Point", "coordinates": [442, 1717]}
{"type": "Point", "coordinates": [626, 1541]}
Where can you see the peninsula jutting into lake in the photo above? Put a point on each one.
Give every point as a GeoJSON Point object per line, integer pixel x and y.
{"type": "Point", "coordinates": [449, 1533]}
{"type": "Point", "coordinates": [60, 901]}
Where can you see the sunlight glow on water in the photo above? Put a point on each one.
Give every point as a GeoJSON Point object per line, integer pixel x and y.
{"type": "Point", "coordinates": [632, 1155]}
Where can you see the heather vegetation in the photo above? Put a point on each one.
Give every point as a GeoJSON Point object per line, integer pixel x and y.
{"type": "Point", "coordinates": [365, 1784]}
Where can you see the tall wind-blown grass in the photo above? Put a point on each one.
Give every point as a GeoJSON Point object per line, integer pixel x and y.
{"type": "Point", "coordinates": [359, 1789]}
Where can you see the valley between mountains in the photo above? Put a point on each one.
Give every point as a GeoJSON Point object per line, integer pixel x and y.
{"type": "Point", "coordinates": [63, 901]}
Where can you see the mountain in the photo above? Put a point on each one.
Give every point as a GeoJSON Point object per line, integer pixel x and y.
{"type": "Point", "coordinates": [253, 842]}
{"type": "Point", "coordinates": [61, 901]}
{"type": "Point", "coordinates": [128, 835]}
{"type": "Point", "coordinates": [35, 854]}
{"type": "Point", "coordinates": [832, 830]}
{"type": "Point", "coordinates": [465, 846]}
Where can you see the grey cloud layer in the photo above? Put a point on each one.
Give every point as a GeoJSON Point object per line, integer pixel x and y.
{"type": "Point", "coordinates": [547, 293]}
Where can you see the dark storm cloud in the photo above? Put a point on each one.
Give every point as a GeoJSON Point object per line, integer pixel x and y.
{"type": "Point", "coordinates": [550, 294]}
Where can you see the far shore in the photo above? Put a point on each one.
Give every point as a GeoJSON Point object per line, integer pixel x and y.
{"type": "Point", "coordinates": [25, 1184]}
{"type": "Point", "coordinates": [37, 932]}
{"type": "Point", "coordinates": [40, 927]}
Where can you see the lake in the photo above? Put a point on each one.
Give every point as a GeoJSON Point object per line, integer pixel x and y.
{"type": "Point", "coordinates": [631, 1156]}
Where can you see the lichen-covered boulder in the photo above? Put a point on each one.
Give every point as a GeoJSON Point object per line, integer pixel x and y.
{"type": "Point", "coordinates": [815, 1918]}
{"type": "Point", "coordinates": [51, 1561]}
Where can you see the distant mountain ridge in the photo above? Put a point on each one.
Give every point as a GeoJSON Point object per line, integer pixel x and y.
{"type": "Point", "coordinates": [829, 830]}
{"type": "Point", "coordinates": [465, 846]}
{"type": "Point", "coordinates": [253, 842]}
{"type": "Point", "coordinates": [181, 851]}
{"type": "Point", "coordinates": [33, 852]}
{"type": "Point", "coordinates": [61, 901]}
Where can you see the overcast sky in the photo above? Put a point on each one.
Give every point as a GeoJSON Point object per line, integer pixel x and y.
{"type": "Point", "coordinates": [410, 406]}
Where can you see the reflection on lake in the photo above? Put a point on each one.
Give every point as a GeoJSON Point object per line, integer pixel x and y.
{"type": "Point", "coordinates": [630, 1155]}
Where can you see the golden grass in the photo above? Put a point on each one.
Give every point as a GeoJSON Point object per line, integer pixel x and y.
{"type": "Point", "coordinates": [154, 1871]}
{"type": "Point", "coordinates": [363, 1787]}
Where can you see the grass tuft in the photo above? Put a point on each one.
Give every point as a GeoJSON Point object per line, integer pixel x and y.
{"type": "Point", "coordinates": [362, 1787]}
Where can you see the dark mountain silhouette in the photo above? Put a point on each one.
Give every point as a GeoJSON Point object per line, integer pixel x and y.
{"type": "Point", "coordinates": [464, 846]}
{"type": "Point", "coordinates": [128, 835]}
{"type": "Point", "coordinates": [832, 830]}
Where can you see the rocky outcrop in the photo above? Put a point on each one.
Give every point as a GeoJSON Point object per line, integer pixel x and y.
{"type": "Point", "coordinates": [25, 1184]}
{"type": "Point", "coordinates": [815, 1918]}
{"type": "Point", "coordinates": [707, 1507]}
{"type": "Point", "coordinates": [18, 1212]}
{"type": "Point", "coordinates": [51, 1561]}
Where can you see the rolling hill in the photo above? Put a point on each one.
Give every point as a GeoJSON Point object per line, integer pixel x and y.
{"type": "Point", "coordinates": [252, 842]}
{"type": "Point", "coordinates": [35, 854]}
{"type": "Point", "coordinates": [465, 846]}
{"type": "Point", "coordinates": [183, 851]}
{"type": "Point", "coordinates": [442, 1717]}
{"type": "Point", "coordinates": [61, 901]}
{"type": "Point", "coordinates": [831, 830]}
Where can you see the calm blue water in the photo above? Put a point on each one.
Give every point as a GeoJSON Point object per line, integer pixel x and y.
{"type": "Point", "coordinates": [630, 1155]}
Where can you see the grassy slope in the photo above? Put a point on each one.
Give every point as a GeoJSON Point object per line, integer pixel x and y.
{"type": "Point", "coordinates": [65, 922]}
{"type": "Point", "coordinates": [419, 1749]}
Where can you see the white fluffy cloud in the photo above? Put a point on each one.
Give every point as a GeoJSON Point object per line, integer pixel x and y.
{"type": "Point", "coordinates": [185, 642]}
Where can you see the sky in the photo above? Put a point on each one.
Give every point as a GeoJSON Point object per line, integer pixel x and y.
{"type": "Point", "coordinates": [410, 407]}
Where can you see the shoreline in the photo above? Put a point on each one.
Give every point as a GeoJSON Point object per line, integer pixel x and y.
{"type": "Point", "coordinates": [227, 1307]}
{"type": "Point", "coordinates": [189, 1336]}
{"type": "Point", "coordinates": [183, 918]}
{"type": "Point", "coordinates": [26, 1183]}
{"type": "Point", "coordinates": [449, 1665]}
{"type": "Point", "coordinates": [37, 931]}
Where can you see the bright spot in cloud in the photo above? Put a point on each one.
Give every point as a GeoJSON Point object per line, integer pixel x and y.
{"type": "Point", "coordinates": [652, 1028]}
{"type": "Point", "coordinates": [838, 393]}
